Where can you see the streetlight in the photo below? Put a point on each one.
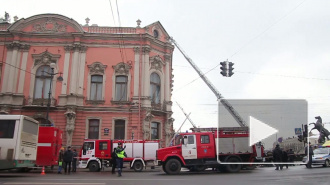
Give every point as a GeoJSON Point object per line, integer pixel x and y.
{"type": "Point", "coordinates": [52, 66]}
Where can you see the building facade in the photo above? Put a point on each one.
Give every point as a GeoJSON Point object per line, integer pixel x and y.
{"type": "Point", "coordinates": [116, 82]}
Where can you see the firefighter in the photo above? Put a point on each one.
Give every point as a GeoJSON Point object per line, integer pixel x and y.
{"type": "Point", "coordinates": [120, 152]}
{"type": "Point", "coordinates": [277, 156]}
{"type": "Point", "coordinates": [60, 160]}
{"type": "Point", "coordinates": [113, 160]}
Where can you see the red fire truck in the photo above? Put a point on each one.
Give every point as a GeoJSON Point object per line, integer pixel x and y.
{"type": "Point", "coordinates": [200, 150]}
{"type": "Point", "coordinates": [49, 144]}
{"type": "Point", "coordinates": [96, 154]}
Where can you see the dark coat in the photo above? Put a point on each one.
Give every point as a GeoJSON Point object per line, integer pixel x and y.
{"type": "Point", "coordinates": [68, 156]}
{"type": "Point", "coordinates": [75, 155]}
{"type": "Point", "coordinates": [284, 156]}
{"type": "Point", "coordinates": [277, 154]}
{"type": "Point", "coordinates": [310, 150]}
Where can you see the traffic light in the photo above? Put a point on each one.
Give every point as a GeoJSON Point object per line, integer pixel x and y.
{"type": "Point", "coordinates": [230, 73]}
{"type": "Point", "coordinates": [223, 68]}
{"type": "Point", "coordinates": [301, 138]}
{"type": "Point", "coordinates": [305, 133]}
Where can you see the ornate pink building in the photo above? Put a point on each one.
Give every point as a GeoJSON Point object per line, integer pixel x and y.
{"type": "Point", "coordinates": [117, 82]}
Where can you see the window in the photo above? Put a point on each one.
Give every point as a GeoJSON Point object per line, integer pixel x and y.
{"type": "Point", "coordinates": [89, 145]}
{"type": "Point", "coordinates": [155, 130]}
{"type": "Point", "coordinates": [7, 128]}
{"type": "Point", "coordinates": [119, 129]}
{"type": "Point", "coordinates": [103, 145]}
{"type": "Point", "coordinates": [205, 139]}
{"type": "Point", "coordinates": [93, 130]}
{"type": "Point", "coordinates": [121, 88]}
{"type": "Point", "coordinates": [156, 34]}
{"type": "Point", "coordinates": [96, 87]}
{"type": "Point", "coordinates": [155, 88]}
{"type": "Point", "coordinates": [42, 82]}
{"type": "Point", "coordinates": [191, 139]}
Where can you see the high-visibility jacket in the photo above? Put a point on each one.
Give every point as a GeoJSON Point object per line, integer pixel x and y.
{"type": "Point", "coordinates": [120, 152]}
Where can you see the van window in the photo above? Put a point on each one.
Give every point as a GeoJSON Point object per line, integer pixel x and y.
{"type": "Point", "coordinates": [7, 128]}
{"type": "Point", "coordinates": [205, 139]}
{"type": "Point", "coordinates": [103, 145]}
{"type": "Point", "coordinates": [191, 139]}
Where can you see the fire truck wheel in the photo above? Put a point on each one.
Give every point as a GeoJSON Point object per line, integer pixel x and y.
{"type": "Point", "coordinates": [138, 166]}
{"type": "Point", "coordinates": [233, 168]}
{"type": "Point", "coordinates": [172, 166]}
{"type": "Point", "coordinates": [94, 166]}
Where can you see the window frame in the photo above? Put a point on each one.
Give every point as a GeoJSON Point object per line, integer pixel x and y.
{"type": "Point", "coordinates": [153, 87]}
{"type": "Point", "coordinates": [158, 130]}
{"type": "Point", "coordinates": [121, 84]}
{"type": "Point", "coordinates": [97, 84]}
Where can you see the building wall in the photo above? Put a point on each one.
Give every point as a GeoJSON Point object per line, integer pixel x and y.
{"type": "Point", "coordinates": [79, 52]}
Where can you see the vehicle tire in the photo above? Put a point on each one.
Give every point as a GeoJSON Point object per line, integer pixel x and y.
{"type": "Point", "coordinates": [233, 168]}
{"type": "Point", "coordinates": [94, 166]}
{"type": "Point", "coordinates": [138, 166]}
{"type": "Point", "coordinates": [163, 166]}
{"type": "Point", "coordinates": [326, 163]}
{"type": "Point", "coordinates": [172, 167]}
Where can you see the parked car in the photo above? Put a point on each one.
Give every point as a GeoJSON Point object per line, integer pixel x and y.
{"type": "Point", "coordinates": [321, 157]}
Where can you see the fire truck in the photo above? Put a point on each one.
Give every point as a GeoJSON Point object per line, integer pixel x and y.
{"type": "Point", "coordinates": [96, 154]}
{"type": "Point", "coordinates": [200, 150]}
{"type": "Point", "coordinates": [49, 144]}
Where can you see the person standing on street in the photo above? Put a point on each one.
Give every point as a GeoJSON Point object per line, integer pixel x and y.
{"type": "Point", "coordinates": [285, 158]}
{"type": "Point", "coordinates": [309, 152]}
{"type": "Point", "coordinates": [277, 156]}
{"type": "Point", "coordinates": [68, 156]}
{"type": "Point", "coordinates": [60, 160]}
{"type": "Point", "coordinates": [74, 160]}
{"type": "Point", "coordinates": [113, 160]}
{"type": "Point", "coordinates": [120, 152]}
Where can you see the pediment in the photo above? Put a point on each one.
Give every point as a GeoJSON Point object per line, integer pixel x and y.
{"type": "Point", "coordinates": [46, 23]}
{"type": "Point", "coordinates": [163, 35]}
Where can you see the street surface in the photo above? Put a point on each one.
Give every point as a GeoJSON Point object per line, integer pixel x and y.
{"type": "Point", "coordinates": [298, 175]}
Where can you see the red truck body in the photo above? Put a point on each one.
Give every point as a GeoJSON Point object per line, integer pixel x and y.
{"type": "Point", "coordinates": [97, 153]}
{"type": "Point", "coordinates": [49, 144]}
{"type": "Point", "coordinates": [200, 150]}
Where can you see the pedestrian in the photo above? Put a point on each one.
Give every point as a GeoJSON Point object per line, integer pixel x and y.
{"type": "Point", "coordinates": [277, 157]}
{"type": "Point", "coordinates": [113, 160]}
{"type": "Point", "coordinates": [285, 158]}
{"type": "Point", "coordinates": [74, 160]}
{"type": "Point", "coordinates": [68, 156]}
{"type": "Point", "coordinates": [120, 152]}
{"type": "Point", "coordinates": [309, 152]}
{"type": "Point", "coordinates": [60, 160]}
{"type": "Point", "coordinates": [291, 155]}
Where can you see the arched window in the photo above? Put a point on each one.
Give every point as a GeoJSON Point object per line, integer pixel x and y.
{"type": "Point", "coordinates": [121, 88]}
{"type": "Point", "coordinates": [155, 88]}
{"type": "Point", "coordinates": [96, 87]}
{"type": "Point", "coordinates": [42, 82]}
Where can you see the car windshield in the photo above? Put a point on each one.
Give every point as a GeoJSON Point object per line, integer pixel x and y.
{"type": "Point", "coordinates": [177, 140]}
{"type": "Point", "coordinates": [321, 151]}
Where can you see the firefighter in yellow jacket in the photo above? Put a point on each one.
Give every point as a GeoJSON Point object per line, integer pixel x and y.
{"type": "Point", "coordinates": [120, 152]}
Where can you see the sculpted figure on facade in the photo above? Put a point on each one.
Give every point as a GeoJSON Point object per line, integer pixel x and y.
{"type": "Point", "coordinates": [5, 109]}
{"type": "Point", "coordinates": [70, 124]}
{"type": "Point", "coordinates": [146, 124]}
{"type": "Point", "coordinates": [156, 63]}
{"type": "Point", "coordinates": [122, 68]}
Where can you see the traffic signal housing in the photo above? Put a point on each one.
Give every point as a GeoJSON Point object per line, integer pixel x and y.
{"type": "Point", "coordinates": [223, 68]}
{"type": "Point", "coordinates": [301, 138]}
{"type": "Point", "coordinates": [230, 69]}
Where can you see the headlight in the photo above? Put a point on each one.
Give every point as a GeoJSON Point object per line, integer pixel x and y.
{"type": "Point", "coordinates": [319, 158]}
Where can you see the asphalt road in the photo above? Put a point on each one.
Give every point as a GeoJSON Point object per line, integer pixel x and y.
{"type": "Point", "coordinates": [298, 175]}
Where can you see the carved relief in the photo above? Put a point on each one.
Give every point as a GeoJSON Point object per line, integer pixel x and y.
{"type": "Point", "coordinates": [5, 109]}
{"type": "Point", "coordinates": [24, 47]}
{"type": "Point", "coordinates": [97, 68]}
{"type": "Point", "coordinates": [13, 46]}
{"type": "Point", "coordinates": [146, 124]}
{"type": "Point", "coordinates": [167, 57]}
{"type": "Point", "coordinates": [122, 68]}
{"type": "Point", "coordinates": [156, 63]}
{"type": "Point", "coordinates": [45, 58]}
{"type": "Point", "coordinates": [137, 49]}
{"type": "Point", "coordinates": [146, 50]}
{"type": "Point", "coordinates": [79, 47]}
{"type": "Point", "coordinates": [49, 26]}
{"type": "Point", "coordinates": [70, 124]}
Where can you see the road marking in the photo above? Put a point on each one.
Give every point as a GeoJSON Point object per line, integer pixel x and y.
{"type": "Point", "coordinates": [51, 183]}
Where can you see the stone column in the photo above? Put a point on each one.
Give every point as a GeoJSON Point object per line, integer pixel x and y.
{"type": "Point", "coordinates": [146, 125]}
{"type": "Point", "coordinates": [136, 71]}
{"type": "Point", "coordinates": [66, 68]}
{"type": "Point", "coordinates": [25, 50]}
{"type": "Point", "coordinates": [11, 69]}
{"type": "Point", "coordinates": [81, 69]}
{"type": "Point", "coordinates": [169, 130]}
{"type": "Point", "coordinates": [70, 124]}
{"type": "Point", "coordinates": [7, 68]}
{"type": "Point", "coordinates": [167, 77]}
{"type": "Point", "coordinates": [146, 76]}
{"type": "Point", "coordinates": [74, 70]}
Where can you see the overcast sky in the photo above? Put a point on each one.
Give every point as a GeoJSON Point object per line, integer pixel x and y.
{"type": "Point", "coordinates": [280, 48]}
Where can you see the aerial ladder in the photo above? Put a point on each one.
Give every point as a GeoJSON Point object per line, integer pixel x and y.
{"type": "Point", "coordinates": [220, 98]}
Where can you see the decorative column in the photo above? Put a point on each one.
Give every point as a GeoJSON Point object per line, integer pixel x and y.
{"type": "Point", "coordinates": [70, 124]}
{"type": "Point", "coordinates": [146, 77]}
{"type": "Point", "coordinates": [66, 68]}
{"type": "Point", "coordinates": [25, 50]}
{"type": "Point", "coordinates": [81, 69]}
{"type": "Point", "coordinates": [136, 72]}
{"type": "Point", "coordinates": [167, 77]}
{"type": "Point", "coordinates": [74, 69]}
{"type": "Point", "coordinates": [169, 130]}
{"type": "Point", "coordinates": [8, 86]}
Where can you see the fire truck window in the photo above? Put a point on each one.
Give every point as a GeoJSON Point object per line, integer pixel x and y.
{"type": "Point", "coordinates": [103, 146]}
{"type": "Point", "coordinates": [205, 139]}
{"type": "Point", "coordinates": [89, 145]}
{"type": "Point", "coordinates": [191, 140]}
